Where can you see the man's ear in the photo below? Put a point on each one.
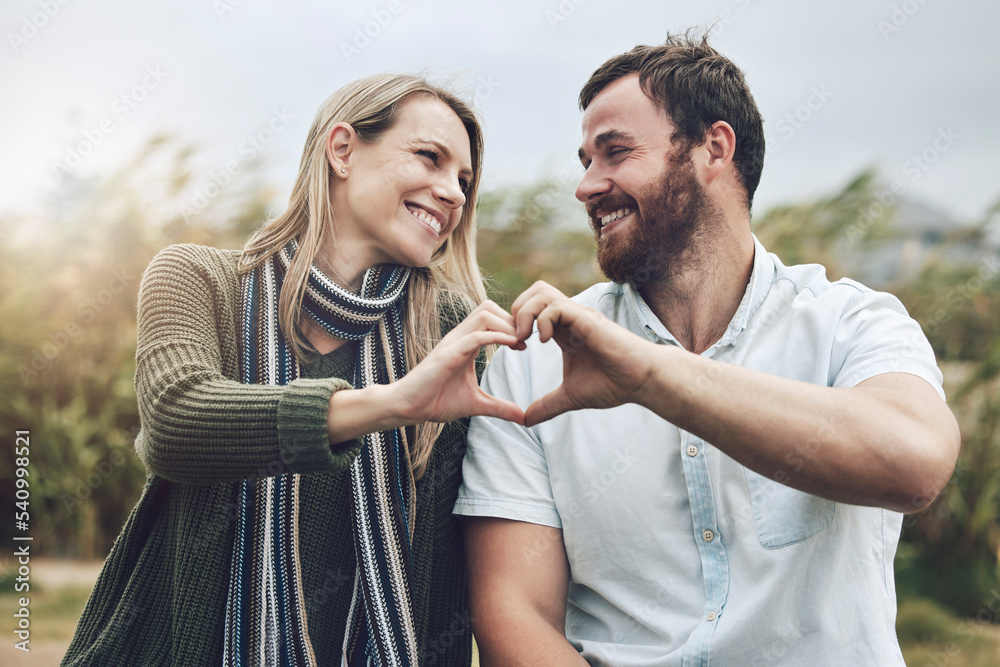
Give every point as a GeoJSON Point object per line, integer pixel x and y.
{"type": "Point", "coordinates": [718, 150]}
{"type": "Point", "coordinates": [340, 144]}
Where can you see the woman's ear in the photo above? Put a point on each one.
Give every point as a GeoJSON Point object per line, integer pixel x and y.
{"type": "Point", "coordinates": [340, 143]}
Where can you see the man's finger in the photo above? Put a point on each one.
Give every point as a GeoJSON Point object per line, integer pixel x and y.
{"type": "Point", "coordinates": [530, 303]}
{"type": "Point", "coordinates": [536, 287]}
{"type": "Point", "coordinates": [524, 318]}
{"type": "Point", "coordinates": [552, 316]}
{"type": "Point", "coordinates": [548, 406]}
{"type": "Point", "coordinates": [569, 323]}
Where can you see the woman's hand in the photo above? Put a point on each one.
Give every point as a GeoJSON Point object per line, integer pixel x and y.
{"type": "Point", "coordinates": [441, 388]}
{"type": "Point", "coordinates": [444, 387]}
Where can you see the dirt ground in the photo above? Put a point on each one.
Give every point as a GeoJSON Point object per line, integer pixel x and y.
{"type": "Point", "coordinates": [60, 589]}
{"type": "Point", "coordinates": [63, 586]}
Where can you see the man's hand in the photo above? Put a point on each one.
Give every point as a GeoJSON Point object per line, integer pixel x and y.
{"type": "Point", "coordinates": [604, 364]}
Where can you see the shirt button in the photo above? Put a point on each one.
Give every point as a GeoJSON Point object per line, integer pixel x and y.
{"type": "Point", "coordinates": [692, 450]}
{"type": "Point", "coordinates": [712, 616]}
{"type": "Point", "coordinates": [708, 535]}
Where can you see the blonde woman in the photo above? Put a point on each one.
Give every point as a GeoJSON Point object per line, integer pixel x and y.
{"type": "Point", "coordinates": [303, 415]}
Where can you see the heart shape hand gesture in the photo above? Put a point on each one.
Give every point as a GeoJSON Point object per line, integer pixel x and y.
{"type": "Point", "coordinates": [604, 365]}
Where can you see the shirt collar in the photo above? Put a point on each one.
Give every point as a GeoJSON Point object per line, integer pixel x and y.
{"type": "Point", "coordinates": [645, 322]}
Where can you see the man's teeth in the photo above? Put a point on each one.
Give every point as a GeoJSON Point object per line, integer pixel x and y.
{"type": "Point", "coordinates": [611, 217]}
{"type": "Point", "coordinates": [423, 215]}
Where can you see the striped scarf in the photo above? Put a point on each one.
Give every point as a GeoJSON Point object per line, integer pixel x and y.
{"type": "Point", "coordinates": [265, 617]}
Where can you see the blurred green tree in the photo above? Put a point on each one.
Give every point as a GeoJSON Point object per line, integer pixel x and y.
{"type": "Point", "coordinates": [950, 551]}
{"type": "Point", "coordinates": [68, 286]}
{"type": "Point", "coordinates": [519, 241]}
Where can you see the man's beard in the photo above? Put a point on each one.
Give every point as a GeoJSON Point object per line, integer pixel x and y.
{"type": "Point", "coordinates": [668, 224]}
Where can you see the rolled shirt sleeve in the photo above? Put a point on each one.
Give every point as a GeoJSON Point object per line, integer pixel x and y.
{"type": "Point", "coordinates": [875, 335]}
{"type": "Point", "coordinates": [505, 472]}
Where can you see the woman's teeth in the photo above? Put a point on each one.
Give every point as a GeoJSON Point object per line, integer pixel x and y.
{"type": "Point", "coordinates": [424, 216]}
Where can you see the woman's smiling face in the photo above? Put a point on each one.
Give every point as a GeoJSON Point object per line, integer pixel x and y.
{"type": "Point", "coordinates": [403, 195]}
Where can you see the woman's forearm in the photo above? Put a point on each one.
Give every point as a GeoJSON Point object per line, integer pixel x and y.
{"type": "Point", "coordinates": [356, 412]}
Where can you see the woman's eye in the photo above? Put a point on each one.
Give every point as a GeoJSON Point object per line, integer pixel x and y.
{"type": "Point", "coordinates": [464, 183]}
{"type": "Point", "coordinates": [429, 154]}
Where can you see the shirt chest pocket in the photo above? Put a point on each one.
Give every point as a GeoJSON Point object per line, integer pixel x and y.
{"type": "Point", "coordinates": [782, 515]}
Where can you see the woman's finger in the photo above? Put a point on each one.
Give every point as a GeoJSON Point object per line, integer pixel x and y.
{"type": "Point", "coordinates": [495, 308]}
{"type": "Point", "coordinates": [467, 346]}
{"type": "Point", "coordinates": [486, 316]}
{"type": "Point", "coordinates": [473, 342]}
{"type": "Point", "coordinates": [491, 406]}
{"type": "Point", "coordinates": [493, 322]}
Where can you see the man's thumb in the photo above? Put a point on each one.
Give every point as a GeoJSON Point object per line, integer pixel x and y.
{"type": "Point", "coordinates": [548, 406]}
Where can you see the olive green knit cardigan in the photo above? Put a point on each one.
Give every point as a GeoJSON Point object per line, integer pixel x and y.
{"type": "Point", "coordinates": [161, 597]}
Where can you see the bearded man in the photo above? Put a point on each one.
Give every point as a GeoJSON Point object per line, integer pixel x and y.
{"type": "Point", "coordinates": [718, 448]}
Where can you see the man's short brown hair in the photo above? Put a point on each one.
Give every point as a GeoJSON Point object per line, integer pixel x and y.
{"type": "Point", "coordinates": [695, 85]}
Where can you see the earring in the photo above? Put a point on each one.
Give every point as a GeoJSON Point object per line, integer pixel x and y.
{"type": "Point", "coordinates": [343, 171]}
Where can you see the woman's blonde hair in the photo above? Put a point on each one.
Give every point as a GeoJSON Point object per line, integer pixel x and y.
{"type": "Point", "coordinates": [450, 286]}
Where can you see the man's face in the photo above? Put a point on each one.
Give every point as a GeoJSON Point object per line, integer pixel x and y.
{"type": "Point", "coordinates": [641, 191]}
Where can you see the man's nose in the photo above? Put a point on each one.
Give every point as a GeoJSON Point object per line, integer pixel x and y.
{"type": "Point", "coordinates": [593, 185]}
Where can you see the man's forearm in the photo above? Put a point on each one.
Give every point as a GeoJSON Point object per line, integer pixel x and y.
{"type": "Point", "coordinates": [874, 444]}
{"type": "Point", "coordinates": [508, 638]}
{"type": "Point", "coordinates": [518, 603]}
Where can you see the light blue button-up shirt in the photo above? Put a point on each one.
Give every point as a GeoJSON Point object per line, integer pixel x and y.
{"type": "Point", "coordinates": [678, 554]}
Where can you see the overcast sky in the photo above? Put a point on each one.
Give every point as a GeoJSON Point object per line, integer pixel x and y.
{"type": "Point", "coordinates": [841, 85]}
